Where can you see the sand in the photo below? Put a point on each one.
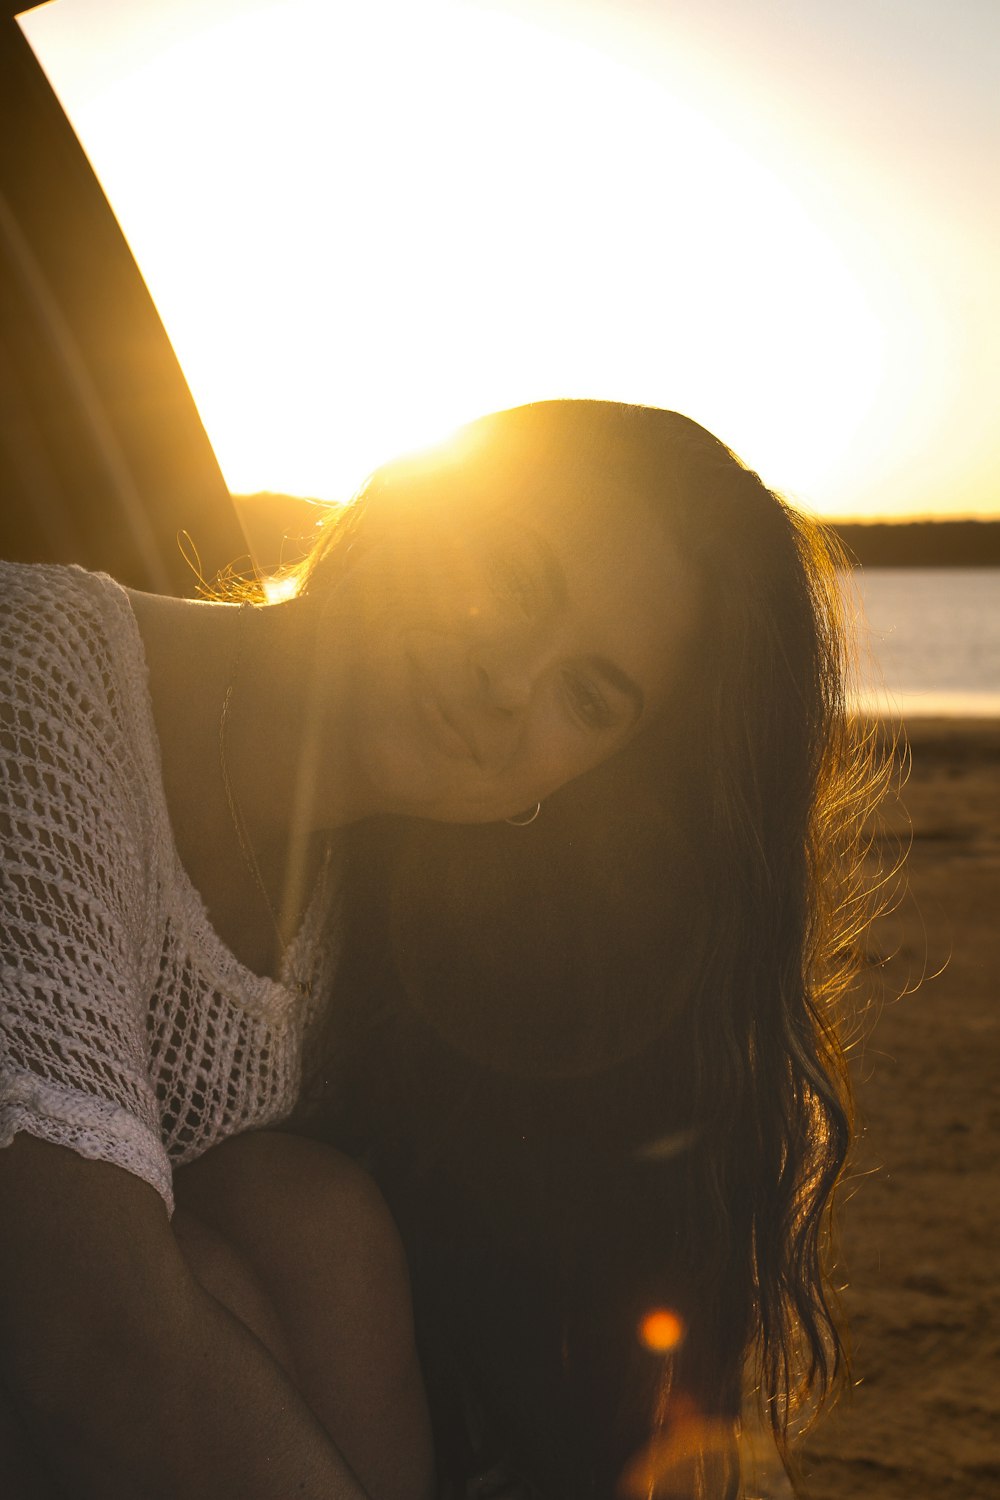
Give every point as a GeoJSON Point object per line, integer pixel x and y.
{"type": "Point", "coordinates": [920, 1224]}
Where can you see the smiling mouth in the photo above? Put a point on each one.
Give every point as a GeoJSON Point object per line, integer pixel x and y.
{"type": "Point", "coordinates": [440, 727]}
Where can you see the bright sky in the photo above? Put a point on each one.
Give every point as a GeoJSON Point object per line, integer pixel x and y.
{"type": "Point", "coordinates": [363, 223]}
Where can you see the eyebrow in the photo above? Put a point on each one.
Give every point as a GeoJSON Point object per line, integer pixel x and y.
{"type": "Point", "coordinates": [622, 681]}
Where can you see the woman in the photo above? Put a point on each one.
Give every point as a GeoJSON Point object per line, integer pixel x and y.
{"type": "Point", "coordinates": [517, 830]}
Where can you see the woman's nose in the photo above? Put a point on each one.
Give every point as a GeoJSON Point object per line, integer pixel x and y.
{"type": "Point", "coordinates": [506, 674]}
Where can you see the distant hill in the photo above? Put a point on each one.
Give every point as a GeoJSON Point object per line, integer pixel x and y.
{"type": "Point", "coordinates": [280, 528]}
{"type": "Point", "coordinates": [921, 544]}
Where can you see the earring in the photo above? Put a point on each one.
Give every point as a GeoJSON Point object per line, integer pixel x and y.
{"type": "Point", "coordinates": [522, 820]}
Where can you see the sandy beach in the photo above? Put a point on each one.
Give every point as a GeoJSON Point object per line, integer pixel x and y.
{"type": "Point", "coordinates": [920, 1222]}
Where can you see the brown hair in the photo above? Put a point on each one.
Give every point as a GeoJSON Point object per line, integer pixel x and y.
{"type": "Point", "coordinates": [596, 1063]}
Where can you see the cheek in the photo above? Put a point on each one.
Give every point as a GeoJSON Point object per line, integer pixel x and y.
{"type": "Point", "coordinates": [555, 752]}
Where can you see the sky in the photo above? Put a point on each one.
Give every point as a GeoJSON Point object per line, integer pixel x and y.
{"type": "Point", "coordinates": [364, 224]}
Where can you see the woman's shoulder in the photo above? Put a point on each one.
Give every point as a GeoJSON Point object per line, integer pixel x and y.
{"type": "Point", "coordinates": [34, 594]}
{"type": "Point", "coordinates": [71, 680]}
{"type": "Point", "coordinates": [65, 635]}
{"type": "Point", "coordinates": [74, 815]}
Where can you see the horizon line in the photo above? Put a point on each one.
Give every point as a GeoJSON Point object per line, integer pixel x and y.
{"type": "Point", "coordinates": [917, 518]}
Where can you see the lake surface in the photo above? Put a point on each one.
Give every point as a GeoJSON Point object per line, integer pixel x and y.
{"type": "Point", "coordinates": [930, 639]}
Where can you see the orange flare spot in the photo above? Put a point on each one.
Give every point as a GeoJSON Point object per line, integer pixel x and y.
{"type": "Point", "coordinates": [661, 1330]}
{"type": "Point", "coordinates": [670, 1464]}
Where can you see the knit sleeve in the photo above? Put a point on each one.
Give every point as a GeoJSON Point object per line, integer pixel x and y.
{"type": "Point", "coordinates": [74, 889]}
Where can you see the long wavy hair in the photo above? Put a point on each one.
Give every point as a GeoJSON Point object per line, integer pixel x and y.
{"type": "Point", "coordinates": [596, 1063]}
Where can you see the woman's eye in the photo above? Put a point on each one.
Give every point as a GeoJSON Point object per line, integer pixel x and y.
{"type": "Point", "coordinates": [587, 702]}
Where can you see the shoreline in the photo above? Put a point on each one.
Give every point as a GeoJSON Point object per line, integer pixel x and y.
{"type": "Point", "coordinates": [925, 741]}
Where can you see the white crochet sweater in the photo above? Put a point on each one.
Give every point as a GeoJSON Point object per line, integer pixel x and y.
{"type": "Point", "coordinates": [128, 1031]}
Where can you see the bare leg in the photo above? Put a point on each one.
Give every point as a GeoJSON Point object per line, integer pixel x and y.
{"type": "Point", "coordinates": [296, 1240]}
{"type": "Point", "coordinates": [223, 1274]}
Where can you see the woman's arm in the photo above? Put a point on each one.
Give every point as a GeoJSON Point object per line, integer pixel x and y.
{"type": "Point", "coordinates": [130, 1379]}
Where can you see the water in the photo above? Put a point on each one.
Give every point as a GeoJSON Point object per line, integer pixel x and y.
{"type": "Point", "coordinates": [931, 644]}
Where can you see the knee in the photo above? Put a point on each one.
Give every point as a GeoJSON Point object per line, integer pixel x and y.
{"type": "Point", "coordinates": [298, 1209]}
{"type": "Point", "coordinates": [331, 1198]}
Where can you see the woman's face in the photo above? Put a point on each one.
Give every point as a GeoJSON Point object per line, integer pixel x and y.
{"type": "Point", "coordinates": [492, 662]}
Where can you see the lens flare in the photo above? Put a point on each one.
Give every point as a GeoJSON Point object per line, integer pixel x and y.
{"type": "Point", "coordinates": [692, 1454]}
{"type": "Point", "coordinates": [661, 1330]}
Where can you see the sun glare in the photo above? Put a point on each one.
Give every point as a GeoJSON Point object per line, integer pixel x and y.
{"type": "Point", "coordinates": [363, 225]}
